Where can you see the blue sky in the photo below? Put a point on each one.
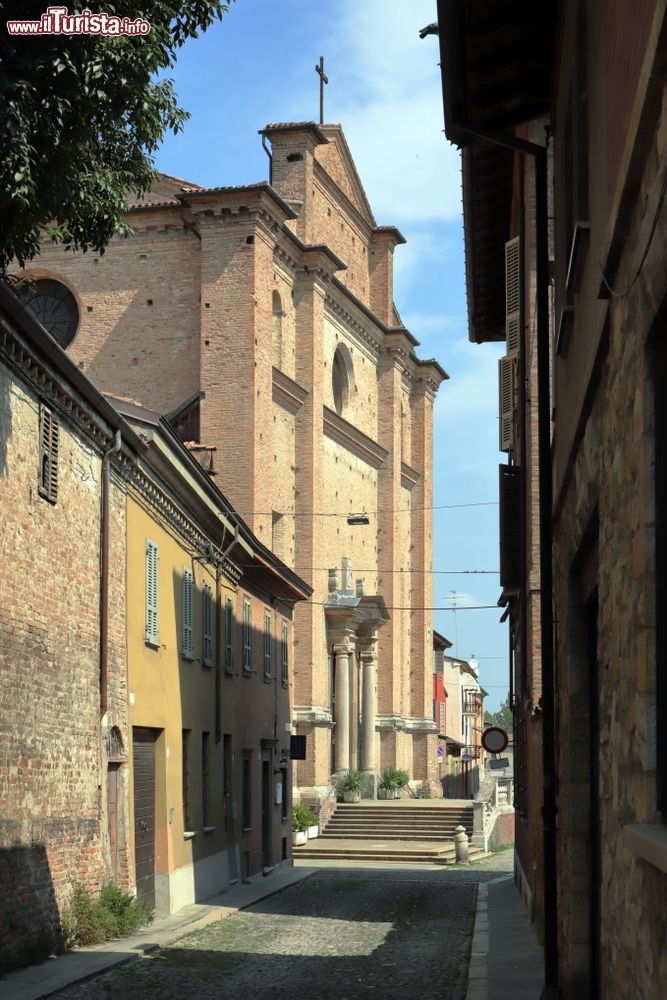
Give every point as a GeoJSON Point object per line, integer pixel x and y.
{"type": "Point", "coordinates": [257, 66]}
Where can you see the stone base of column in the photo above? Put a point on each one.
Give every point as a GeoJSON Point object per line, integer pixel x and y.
{"type": "Point", "coordinates": [369, 785]}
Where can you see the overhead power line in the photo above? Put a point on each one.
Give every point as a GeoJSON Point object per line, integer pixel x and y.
{"type": "Point", "coordinates": [368, 513]}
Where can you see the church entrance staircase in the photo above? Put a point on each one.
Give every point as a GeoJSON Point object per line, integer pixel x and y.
{"type": "Point", "coordinates": [405, 831]}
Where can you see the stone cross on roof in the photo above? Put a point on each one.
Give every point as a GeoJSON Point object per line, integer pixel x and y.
{"type": "Point", "coordinates": [323, 79]}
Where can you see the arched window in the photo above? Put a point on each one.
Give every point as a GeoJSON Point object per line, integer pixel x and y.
{"type": "Point", "coordinates": [340, 380]}
{"type": "Point", "coordinates": [277, 310]}
{"type": "Point", "coordinates": [54, 306]}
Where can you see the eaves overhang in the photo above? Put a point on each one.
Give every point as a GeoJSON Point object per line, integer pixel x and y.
{"type": "Point", "coordinates": [496, 59]}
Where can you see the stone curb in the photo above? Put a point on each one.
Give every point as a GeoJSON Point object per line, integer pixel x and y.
{"type": "Point", "coordinates": [478, 970]}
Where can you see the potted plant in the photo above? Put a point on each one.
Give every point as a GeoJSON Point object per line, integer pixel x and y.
{"type": "Point", "coordinates": [306, 820]}
{"type": "Point", "coordinates": [351, 786]}
{"type": "Point", "coordinates": [402, 778]}
{"type": "Point", "coordinates": [387, 785]}
{"type": "Point", "coordinates": [302, 818]}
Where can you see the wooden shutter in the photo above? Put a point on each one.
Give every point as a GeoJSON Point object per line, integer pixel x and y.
{"type": "Point", "coordinates": [229, 647]}
{"type": "Point", "coordinates": [513, 297]}
{"type": "Point", "coordinates": [506, 403]}
{"type": "Point", "coordinates": [207, 624]}
{"type": "Point", "coordinates": [151, 593]}
{"type": "Point", "coordinates": [247, 638]}
{"type": "Point", "coordinates": [267, 644]}
{"type": "Point", "coordinates": [284, 662]}
{"type": "Point", "coordinates": [188, 585]}
{"type": "Point", "coordinates": [510, 528]}
{"type": "Point", "coordinates": [49, 439]}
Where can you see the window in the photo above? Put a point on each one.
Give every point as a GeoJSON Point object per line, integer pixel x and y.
{"type": "Point", "coordinates": [205, 741]}
{"type": "Point", "coordinates": [54, 306]}
{"type": "Point", "coordinates": [247, 790]}
{"type": "Point", "coordinates": [247, 637]}
{"type": "Point", "coordinates": [49, 436]}
{"type": "Point", "coordinates": [340, 382]}
{"type": "Point", "coordinates": [284, 657]}
{"type": "Point", "coordinates": [267, 646]}
{"type": "Point", "coordinates": [152, 635]}
{"type": "Point", "coordinates": [187, 612]}
{"type": "Point", "coordinates": [229, 647]}
{"type": "Point", "coordinates": [185, 735]}
{"type": "Point", "coordinates": [207, 624]}
{"type": "Point", "coordinates": [277, 316]}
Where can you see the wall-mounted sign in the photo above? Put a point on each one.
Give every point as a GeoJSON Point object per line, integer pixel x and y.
{"type": "Point", "coordinates": [297, 747]}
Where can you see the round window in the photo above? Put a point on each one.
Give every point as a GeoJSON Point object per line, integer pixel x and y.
{"type": "Point", "coordinates": [55, 307]}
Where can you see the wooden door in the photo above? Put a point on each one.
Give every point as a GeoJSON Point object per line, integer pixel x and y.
{"type": "Point", "coordinates": [112, 815]}
{"type": "Point", "coordinates": [143, 760]}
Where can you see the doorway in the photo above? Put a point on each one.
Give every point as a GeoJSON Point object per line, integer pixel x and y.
{"type": "Point", "coordinates": [143, 763]}
{"type": "Point", "coordinates": [266, 808]}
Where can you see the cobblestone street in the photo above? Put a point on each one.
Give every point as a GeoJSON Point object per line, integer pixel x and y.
{"type": "Point", "coordinates": [341, 933]}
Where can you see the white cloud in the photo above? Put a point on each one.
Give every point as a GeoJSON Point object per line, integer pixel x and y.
{"type": "Point", "coordinates": [391, 109]}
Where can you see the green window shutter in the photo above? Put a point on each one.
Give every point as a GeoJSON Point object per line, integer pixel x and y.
{"type": "Point", "coordinates": [152, 635]}
{"type": "Point", "coordinates": [267, 644]}
{"type": "Point", "coordinates": [229, 648]}
{"type": "Point", "coordinates": [207, 624]}
{"type": "Point", "coordinates": [247, 637]}
{"type": "Point", "coordinates": [188, 586]}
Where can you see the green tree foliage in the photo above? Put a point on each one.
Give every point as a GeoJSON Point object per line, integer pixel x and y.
{"type": "Point", "coordinates": [502, 718]}
{"type": "Point", "coordinates": [80, 119]}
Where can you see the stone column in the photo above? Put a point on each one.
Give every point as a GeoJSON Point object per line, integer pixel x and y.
{"type": "Point", "coordinates": [342, 707]}
{"type": "Point", "coordinates": [368, 712]}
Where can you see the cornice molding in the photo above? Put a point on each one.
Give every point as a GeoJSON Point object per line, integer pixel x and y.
{"type": "Point", "coordinates": [354, 440]}
{"type": "Point", "coordinates": [288, 393]}
{"type": "Point", "coordinates": [409, 476]}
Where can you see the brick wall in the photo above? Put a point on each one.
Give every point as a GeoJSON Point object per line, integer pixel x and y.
{"type": "Point", "coordinates": [52, 762]}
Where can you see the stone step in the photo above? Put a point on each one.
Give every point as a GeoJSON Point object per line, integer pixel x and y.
{"type": "Point", "coordinates": [339, 829]}
{"type": "Point", "coordinates": [384, 835]}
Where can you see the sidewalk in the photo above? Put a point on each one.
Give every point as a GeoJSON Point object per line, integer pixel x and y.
{"type": "Point", "coordinates": [55, 974]}
{"type": "Point", "coordinates": [506, 962]}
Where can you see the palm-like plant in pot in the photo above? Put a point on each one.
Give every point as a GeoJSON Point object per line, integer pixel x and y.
{"type": "Point", "coordinates": [387, 785]}
{"type": "Point", "coordinates": [351, 786]}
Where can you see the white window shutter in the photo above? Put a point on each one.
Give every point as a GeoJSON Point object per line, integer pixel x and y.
{"type": "Point", "coordinates": [152, 635]}
{"type": "Point", "coordinates": [284, 662]}
{"type": "Point", "coordinates": [187, 611]}
{"type": "Point", "coordinates": [513, 296]}
{"type": "Point", "coordinates": [506, 403]}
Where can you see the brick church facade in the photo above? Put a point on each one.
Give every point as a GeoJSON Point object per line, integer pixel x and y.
{"type": "Point", "coordinates": [260, 320]}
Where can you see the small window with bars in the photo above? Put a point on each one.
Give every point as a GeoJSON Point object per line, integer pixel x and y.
{"type": "Point", "coordinates": [49, 438]}
{"type": "Point", "coordinates": [229, 636]}
{"type": "Point", "coordinates": [284, 657]}
{"type": "Point", "coordinates": [267, 646]}
{"type": "Point", "coordinates": [188, 587]}
{"type": "Point", "coordinates": [207, 624]}
{"type": "Point", "coordinates": [152, 636]}
{"type": "Point", "coordinates": [247, 638]}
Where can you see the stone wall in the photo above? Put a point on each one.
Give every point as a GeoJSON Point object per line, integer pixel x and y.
{"type": "Point", "coordinates": [604, 593]}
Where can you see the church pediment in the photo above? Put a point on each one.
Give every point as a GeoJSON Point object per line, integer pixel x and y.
{"type": "Point", "coordinates": [336, 160]}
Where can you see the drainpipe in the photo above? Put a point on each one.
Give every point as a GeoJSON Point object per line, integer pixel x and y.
{"type": "Point", "coordinates": [539, 155]}
{"type": "Point", "coordinates": [104, 574]}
